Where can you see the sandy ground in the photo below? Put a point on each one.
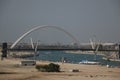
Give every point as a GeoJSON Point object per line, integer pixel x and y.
{"type": "Point", "coordinates": [11, 70]}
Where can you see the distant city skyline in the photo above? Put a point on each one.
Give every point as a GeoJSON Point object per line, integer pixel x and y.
{"type": "Point", "coordinates": [84, 19]}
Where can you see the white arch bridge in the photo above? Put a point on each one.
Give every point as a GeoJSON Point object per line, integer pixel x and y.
{"type": "Point", "coordinates": [45, 26]}
{"type": "Point", "coordinates": [60, 47]}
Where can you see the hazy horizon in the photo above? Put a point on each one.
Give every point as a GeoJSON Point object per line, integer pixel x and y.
{"type": "Point", "coordinates": [82, 18]}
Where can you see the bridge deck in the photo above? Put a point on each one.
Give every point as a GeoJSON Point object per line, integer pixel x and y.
{"type": "Point", "coordinates": [61, 49]}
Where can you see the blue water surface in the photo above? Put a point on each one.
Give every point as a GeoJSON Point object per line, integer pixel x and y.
{"type": "Point", "coordinates": [56, 56]}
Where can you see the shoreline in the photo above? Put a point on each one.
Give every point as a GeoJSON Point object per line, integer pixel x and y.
{"type": "Point", "coordinates": [12, 71]}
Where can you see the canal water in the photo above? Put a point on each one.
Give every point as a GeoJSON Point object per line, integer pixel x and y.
{"type": "Point", "coordinates": [56, 56]}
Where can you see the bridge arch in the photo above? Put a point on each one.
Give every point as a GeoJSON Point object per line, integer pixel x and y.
{"type": "Point", "coordinates": [44, 26]}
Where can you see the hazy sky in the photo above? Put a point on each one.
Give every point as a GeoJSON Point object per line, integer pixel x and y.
{"type": "Point", "coordinates": [82, 18]}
